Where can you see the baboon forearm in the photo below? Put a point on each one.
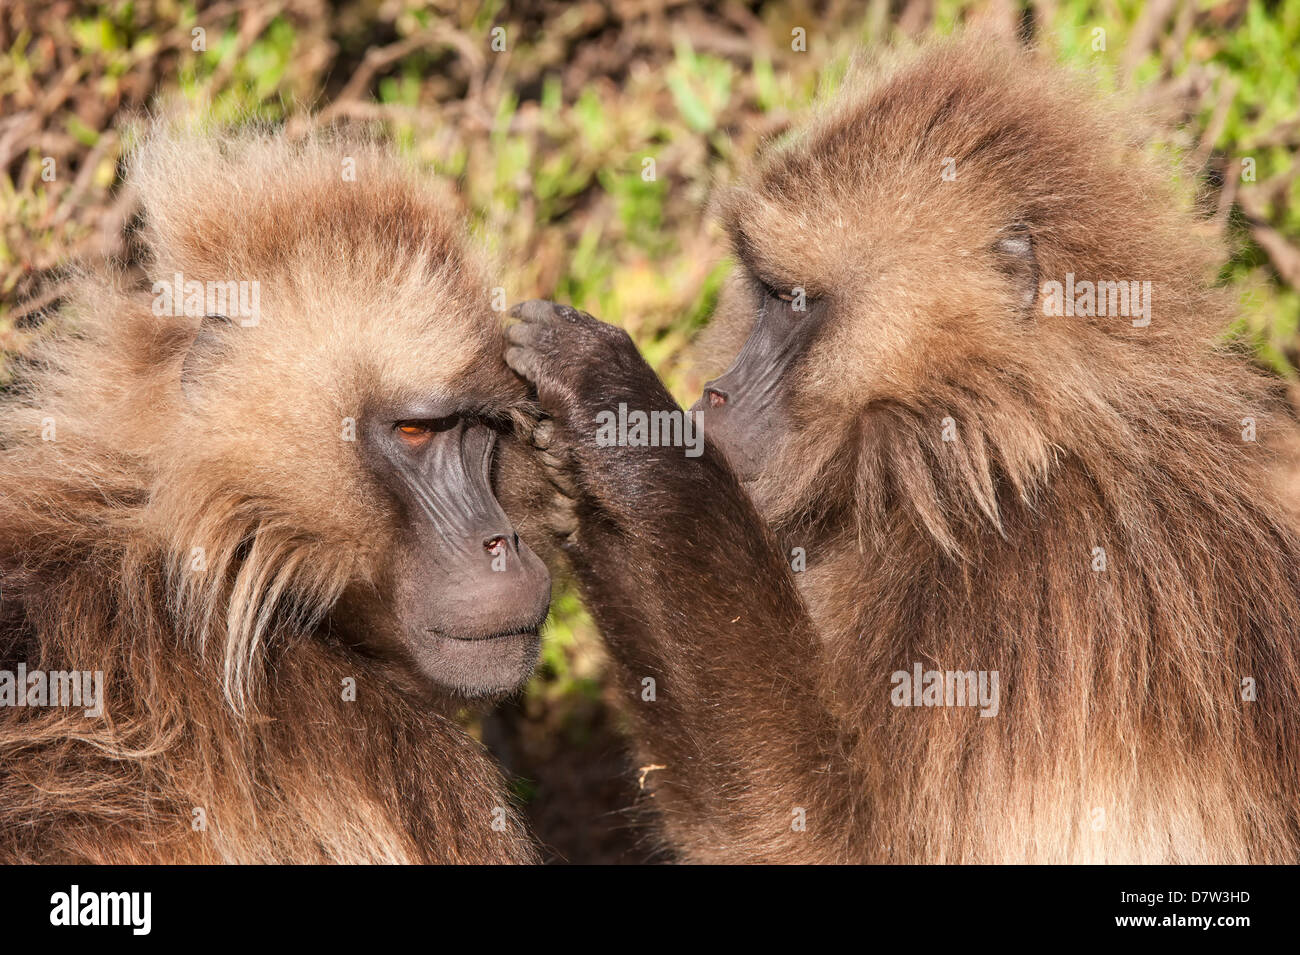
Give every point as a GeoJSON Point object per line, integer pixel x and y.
{"type": "Point", "coordinates": [721, 631]}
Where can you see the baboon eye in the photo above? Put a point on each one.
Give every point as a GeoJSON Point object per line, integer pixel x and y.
{"type": "Point", "coordinates": [416, 432]}
{"type": "Point", "coordinates": [793, 294]}
{"type": "Point", "coordinates": [787, 294]}
{"type": "Point", "coordinates": [774, 291]}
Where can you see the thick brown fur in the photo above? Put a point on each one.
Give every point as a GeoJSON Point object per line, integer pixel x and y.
{"type": "Point", "coordinates": [1122, 688]}
{"type": "Point", "coordinates": [223, 685]}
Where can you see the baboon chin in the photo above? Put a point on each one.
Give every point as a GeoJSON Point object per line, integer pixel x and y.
{"type": "Point", "coordinates": [261, 494]}
{"type": "Point", "coordinates": [917, 460]}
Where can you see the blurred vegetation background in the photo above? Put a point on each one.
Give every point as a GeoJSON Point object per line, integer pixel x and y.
{"type": "Point", "coordinates": [544, 113]}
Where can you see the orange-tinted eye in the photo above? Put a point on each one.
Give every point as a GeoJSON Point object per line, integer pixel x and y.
{"type": "Point", "coordinates": [413, 433]}
{"type": "Point", "coordinates": [418, 431]}
{"type": "Point", "coordinates": [785, 296]}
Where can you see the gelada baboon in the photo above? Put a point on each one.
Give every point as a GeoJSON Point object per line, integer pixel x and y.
{"type": "Point", "coordinates": [932, 492]}
{"type": "Point", "coordinates": [268, 526]}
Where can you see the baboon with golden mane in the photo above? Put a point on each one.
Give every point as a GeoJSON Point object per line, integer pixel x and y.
{"type": "Point", "coordinates": [269, 525]}
{"type": "Point", "coordinates": [917, 463]}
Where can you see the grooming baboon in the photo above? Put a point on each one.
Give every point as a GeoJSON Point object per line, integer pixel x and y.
{"type": "Point", "coordinates": [270, 525]}
{"type": "Point", "coordinates": [1073, 503]}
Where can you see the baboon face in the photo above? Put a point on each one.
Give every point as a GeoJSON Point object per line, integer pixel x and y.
{"type": "Point", "coordinates": [893, 251]}
{"type": "Point", "coordinates": [748, 408]}
{"type": "Point", "coordinates": [854, 289]}
{"type": "Point", "coordinates": [468, 596]}
{"type": "Point", "coordinates": [359, 413]}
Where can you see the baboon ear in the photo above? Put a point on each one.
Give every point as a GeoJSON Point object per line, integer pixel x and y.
{"type": "Point", "coordinates": [208, 345]}
{"type": "Point", "coordinates": [1015, 252]}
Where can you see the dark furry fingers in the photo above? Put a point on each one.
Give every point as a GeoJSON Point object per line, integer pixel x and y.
{"type": "Point", "coordinates": [561, 512]}
{"type": "Point", "coordinates": [582, 370]}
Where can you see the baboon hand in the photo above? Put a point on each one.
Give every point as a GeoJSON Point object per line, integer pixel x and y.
{"type": "Point", "coordinates": [577, 364]}
{"type": "Point", "coordinates": [579, 367]}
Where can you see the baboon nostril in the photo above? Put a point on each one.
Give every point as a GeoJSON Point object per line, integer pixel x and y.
{"type": "Point", "coordinates": [716, 398]}
{"type": "Point", "coordinates": [495, 545]}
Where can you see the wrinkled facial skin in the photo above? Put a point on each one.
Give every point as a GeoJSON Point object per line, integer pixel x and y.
{"type": "Point", "coordinates": [466, 596]}
{"type": "Point", "coordinates": [745, 409]}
